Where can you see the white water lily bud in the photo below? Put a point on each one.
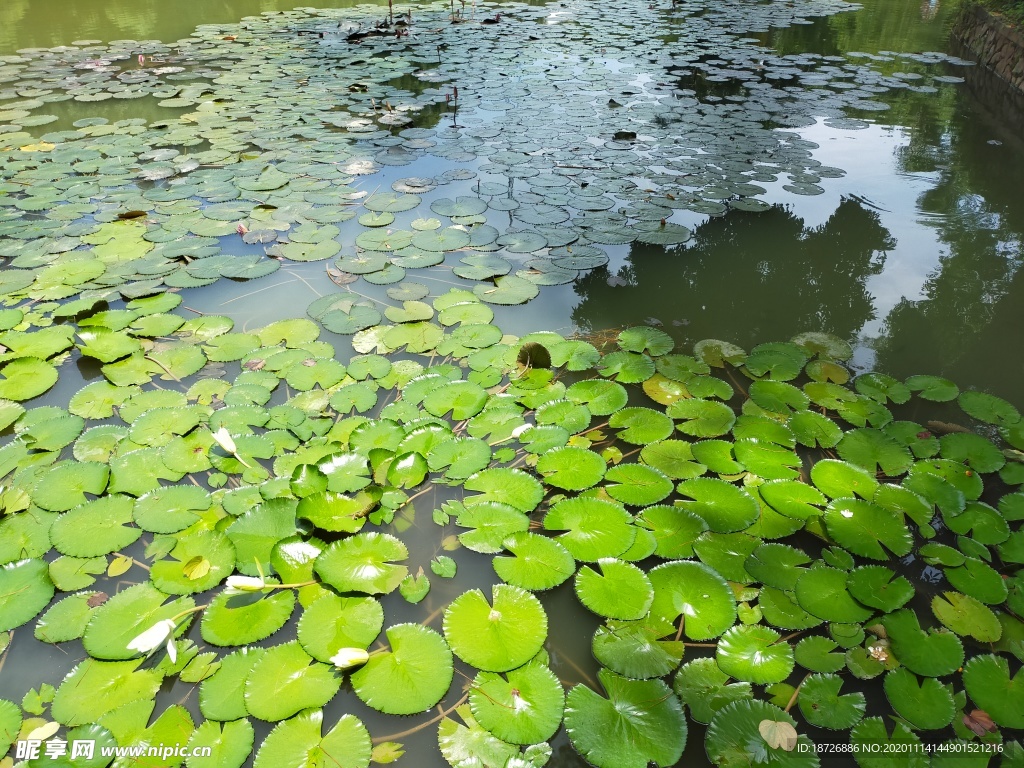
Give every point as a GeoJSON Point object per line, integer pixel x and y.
{"type": "Point", "coordinates": [154, 637]}
{"type": "Point", "coordinates": [223, 438]}
{"type": "Point", "coordinates": [347, 658]}
{"type": "Point", "coordinates": [236, 585]}
{"type": "Point", "coordinates": [520, 429]}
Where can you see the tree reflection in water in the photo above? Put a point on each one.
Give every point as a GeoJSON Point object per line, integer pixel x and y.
{"type": "Point", "coordinates": [747, 278]}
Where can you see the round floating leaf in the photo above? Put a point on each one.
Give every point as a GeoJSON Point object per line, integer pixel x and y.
{"type": "Point", "coordinates": [640, 426]}
{"type": "Point", "coordinates": [332, 623]}
{"type": "Point", "coordinates": [95, 528]}
{"type": "Point", "coordinates": [925, 703]}
{"type": "Point", "coordinates": [675, 530]}
{"type": "Point", "coordinates": [125, 616]}
{"type": "Point", "coordinates": [229, 748]}
{"type": "Point", "coordinates": [637, 484]}
{"type": "Point", "coordinates": [535, 562]}
{"type": "Point", "coordinates": [25, 378]}
{"type": "Point", "coordinates": [363, 563]}
{"type": "Point", "coordinates": [822, 592]}
{"type": "Point", "coordinates": [507, 486]}
{"type": "Point", "coordinates": [640, 722]}
{"type": "Point", "coordinates": [990, 686]}
{"type": "Point", "coordinates": [626, 367]}
{"type": "Point", "coordinates": [753, 653]}
{"type": "Point", "coordinates": [724, 506]}
{"type": "Point", "coordinates": [837, 479]}
{"type": "Point", "coordinates": [506, 290]}
{"type": "Point", "coordinates": [702, 418]}
{"type": "Point", "coordinates": [571, 469]}
{"type": "Point", "coordinates": [874, 450]}
{"type": "Point", "coordinates": [736, 729]}
{"type": "Point", "coordinates": [867, 529]}
{"type": "Point", "coordinates": [638, 649]}
{"type": "Point", "coordinates": [672, 457]}
{"type": "Point", "coordinates": [792, 498]}
{"type": "Point", "coordinates": [498, 638]}
{"type": "Point", "coordinates": [646, 339]}
{"type": "Point", "coordinates": [523, 707]}
{"type": "Point", "coordinates": [984, 407]}
{"type": "Point", "coordinates": [878, 587]}
{"type": "Point", "coordinates": [94, 688]}
{"type": "Point", "coordinates": [821, 704]}
{"type": "Point", "coordinates": [619, 591]}
{"type": "Point", "coordinates": [286, 680]}
{"type": "Point", "coordinates": [25, 590]}
{"type": "Point", "coordinates": [933, 388]}
{"type": "Point", "coordinates": [592, 528]}
{"type": "Point", "coordinates": [198, 562]}
{"type": "Point", "coordinates": [816, 654]}
{"type": "Point", "coordinates": [704, 688]}
{"type": "Point", "coordinates": [967, 617]}
{"type": "Point", "coordinates": [697, 593]}
{"type": "Point", "coordinates": [246, 618]}
{"type": "Point", "coordinates": [409, 678]}
{"type": "Point", "coordinates": [933, 653]}
{"type": "Point", "coordinates": [870, 735]}
{"type": "Point", "coordinates": [463, 399]}
{"type": "Point", "coordinates": [492, 523]}
{"type": "Point", "coordinates": [973, 450]}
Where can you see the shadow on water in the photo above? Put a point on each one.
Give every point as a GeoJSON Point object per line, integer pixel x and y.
{"type": "Point", "coordinates": [748, 277]}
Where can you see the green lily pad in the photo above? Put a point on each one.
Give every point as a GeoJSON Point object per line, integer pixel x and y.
{"type": "Point", "coordinates": [619, 591]}
{"type": "Point", "coordinates": [286, 680]}
{"type": "Point", "coordinates": [640, 723]}
{"type": "Point", "coordinates": [25, 590]}
{"type": "Point", "coordinates": [753, 653]}
{"type": "Point", "coordinates": [736, 729]}
{"type": "Point", "coordinates": [822, 705]}
{"type": "Point", "coordinates": [591, 528]}
{"type": "Point", "coordinates": [925, 703]}
{"type": "Point", "coordinates": [522, 707]}
{"type": "Point", "coordinates": [988, 682]}
{"type": "Point", "coordinates": [697, 593]}
{"type": "Point", "coordinates": [409, 678]}
{"type": "Point", "coordinates": [364, 563]}
{"type": "Point", "coordinates": [497, 637]}
{"type": "Point", "coordinates": [299, 743]}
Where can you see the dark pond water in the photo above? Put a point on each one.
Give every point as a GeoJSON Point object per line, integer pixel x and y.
{"type": "Point", "coordinates": [914, 254]}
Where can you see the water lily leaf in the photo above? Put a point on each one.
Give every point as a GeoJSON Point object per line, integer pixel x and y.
{"type": "Point", "coordinates": [506, 290]}
{"type": "Point", "coordinates": [200, 561]}
{"type": "Point", "coordinates": [904, 742]}
{"type": "Point", "coordinates": [867, 529]}
{"type": "Point", "coordinates": [638, 649]}
{"type": "Point", "coordinates": [874, 450]}
{"type": "Point", "coordinates": [696, 592]}
{"type": "Point", "coordinates": [246, 618]}
{"type": "Point", "coordinates": [523, 707]}
{"type": "Point", "coordinates": [363, 563]}
{"type": "Point", "coordinates": [170, 509]}
{"type": "Point", "coordinates": [988, 408]}
{"type": "Point", "coordinates": [410, 678]}
{"type": "Point", "coordinates": [736, 729]}
{"type": "Point", "coordinates": [838, 479]}
{"type": "Point", "coordinates": [592, 528]}
{"type": "Point", "coordinates": [619, 591]}
{"type": "Point", "coordinates": [933, 388]}
{"type": "Point", "coordinates": [725, 507]}
{"type": "Point", "coordinates": [338, 512]}
{"type": "Point", "coordinates": [506, 486]}
{"type": "Point", "coordinates": [823, 706]}
{"type": "Point", "coordinates": [286, 680]}
{"type": "Point", "coordinates": [627, 367]}
{"type": "Point", "coordinates": [500, 637]}
{"type": "Point", "coordinates": [463, 399]}
{"type": "Point", "coordinates": [471, 746]}
{"type": "Point", "coordinates": [822, 592]}
{"type": "Point", "coordinates": [813, 429]}
{"type": "Point", "coordinates": [973, 450]}
{"type": "Point", "coordinates": [25, 378]}
{"type": "Point", "coordinates": [95, 528]}
{"type": "Point", "coordinates": [415, 337]}
{"type": "Point", "coordinates": [792, 498]}
{"type": "Point", "coordinates": [66, 619]}
{"type": "Point", "coordinates": [255, 533]}
{"type": "Point", "coordinates": [25, 590]}
{"type": "Point", "coordinates": [702, 418]}
{"type": "Point", "coordinates": [640, 426]}
{"type": "Point", "coordinates": [967, 617]}
{"type": "Point", "coordinates": [298, 743]}
{"type": "Point", "coordinates": [646, 339]}
{"type": "Point", "coordinates": [229, 747]}
{"type": "Point", "coordinates": [637, 484]}
{"type": "Point", "coordinates": [753, 653]}
{"type": "Point", "coordinates": [444, 239]}
{"type": "Point", "coordinates": [94, 688]}
{"type": "Point", "coordinates": [107, 346]}
{"type": "Point", "coordinates": [934, 653]}
{"type": "Point", "coordinates": [882, 388]}
{"type": "Point", "coordinates": [704, 688]}
{"type": "Point", "coordinates": [221, 696]}
{"type": "Point", "coordinates": [879, 587]}
{"type": "Point", "coordinates": [491, 523]}
{"type": "Point", "coordinates": [990, 686]}
{"type": "Point", "coordinates": [126, 615]}
{"type": "Point", "coordinates": [536, 562]}
{"type": "Point", "coordinates": [572, 469]}
{"type": "Point", "coordinates": [978, 580]}
{"type": "Point", "coordinates": [925, 703]}
{"type": "Point", "coordinates": [640, 722]}
{"type": "Point", "coordinates": [816, 654]}
{"type": "Point", "coordinates": [460, 458]}
{"type": "Point", "coordinates": [776, 565]}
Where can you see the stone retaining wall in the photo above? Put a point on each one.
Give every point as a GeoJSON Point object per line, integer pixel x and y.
{"type": "Point", "coordinates": [998, 47]}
